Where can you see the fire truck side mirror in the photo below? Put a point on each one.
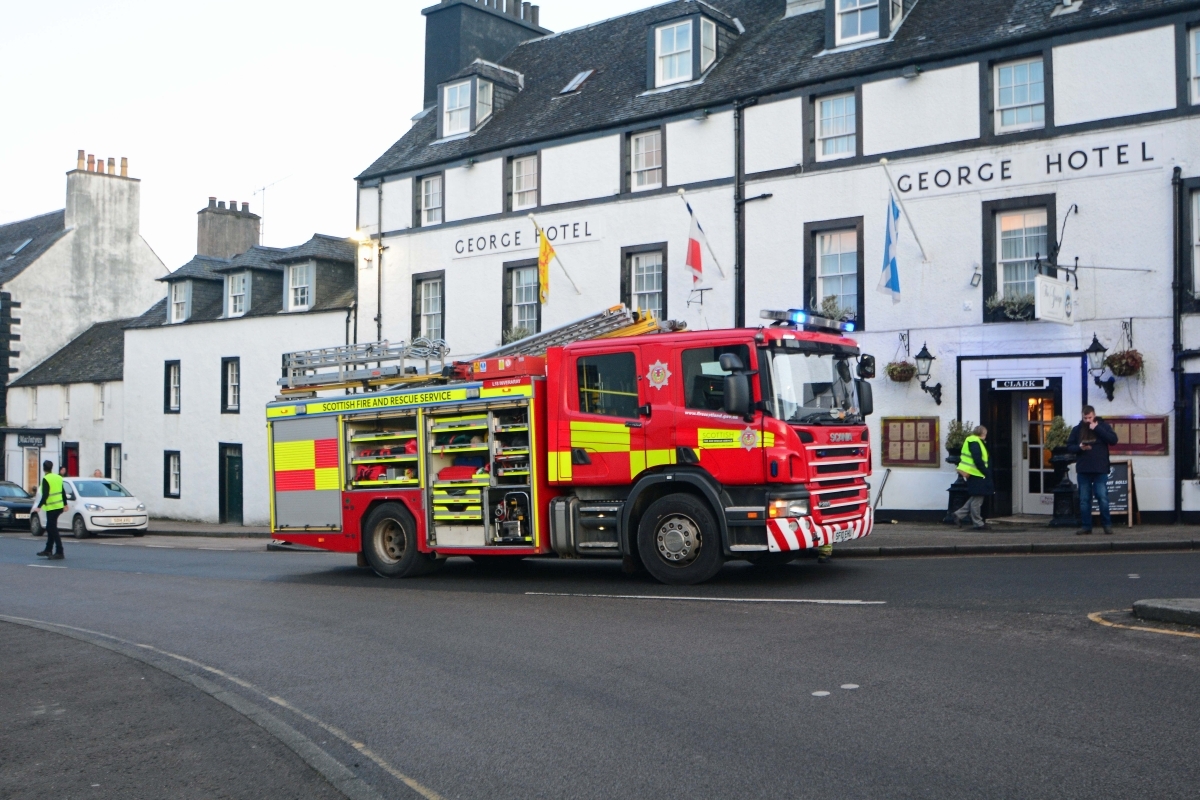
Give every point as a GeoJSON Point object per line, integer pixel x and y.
{"type": "Point", "coordinates": [866, 402]}
{"type": "Point", "coordinates": [737, 391]}
{"type": "Point", "coordinates": [866, 366]}
{"type": "Point", "coordinates": [730, 362]}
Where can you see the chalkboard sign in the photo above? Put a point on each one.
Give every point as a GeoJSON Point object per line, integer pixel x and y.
{"type": "Point", "coordinates": [1122, 494]}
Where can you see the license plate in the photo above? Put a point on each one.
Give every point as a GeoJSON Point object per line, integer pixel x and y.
{"type": "Point", "coordinates": [122, 520]}
{"type": "Point", "coordinates": [22, 516]}
{"type": "Point", "coordinates": [844, 535]}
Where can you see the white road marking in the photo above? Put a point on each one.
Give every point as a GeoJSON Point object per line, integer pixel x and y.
{"type": "Point", "coordinates": [164, 546]}
{"type": "Point", "coordinates": [820, 694]}
{"type": "Point", "coordinates": [1134, 576]}
{"type": "Point", "coordinates": [714, 599]}
{"type": "Point", "coordinates": [849, 685]}
{"type": "Point", "coordinates": [223, 549]}
{"type": "Point", "coordinates": [47, 566]}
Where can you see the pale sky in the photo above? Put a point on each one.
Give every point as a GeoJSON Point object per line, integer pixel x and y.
{"type": "Point", "coordinates": [217, 98]}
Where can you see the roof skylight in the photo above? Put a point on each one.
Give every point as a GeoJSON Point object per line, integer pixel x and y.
{"type": "Point", "coordinates": [577, 81]}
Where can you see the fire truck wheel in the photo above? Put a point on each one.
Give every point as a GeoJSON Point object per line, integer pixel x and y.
{"type": "Point", "coordinates": [390, 543]}
{"type": "Point", "coordinates": [679, 541]}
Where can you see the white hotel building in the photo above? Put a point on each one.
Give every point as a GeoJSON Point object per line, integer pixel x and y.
{"type": "Point", "coordinates": [1020, 135]}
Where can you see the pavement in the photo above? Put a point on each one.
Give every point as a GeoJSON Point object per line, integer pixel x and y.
{"type": "Point", "coordinates": [956, 676]}
{"type": "Point", "coordinates": [1181, 611]}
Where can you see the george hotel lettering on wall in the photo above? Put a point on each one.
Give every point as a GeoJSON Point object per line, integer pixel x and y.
{"type": "Point", "coordinates": [517, 237]}
{"type": "Point", "coordinates": [1055, 162]}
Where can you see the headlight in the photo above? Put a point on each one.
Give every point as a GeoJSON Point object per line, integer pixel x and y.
{"type": "Point", "coordinates": [141, 507]}
{"type": "Point", "coordinates": [5, 511]}
{"type": "Point", "coordinates": [92, 507]}
{"type": "Point", "coordinates": [788, 507]}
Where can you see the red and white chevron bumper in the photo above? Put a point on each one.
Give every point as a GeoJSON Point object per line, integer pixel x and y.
{"type": "Point", "coordinates": [800, 533]}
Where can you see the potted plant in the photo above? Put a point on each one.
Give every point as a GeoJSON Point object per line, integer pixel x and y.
{"type": "Point", "coordinates": [956, 433]}
{"type": "Point", "coordinates": [832, 309]}
{"type": "Point", "coordinates": [1125, 363]}
{"type": "Point", "coordinates": [1065, 499]}
{"type": "Point", "coordinates": [901, 371]}
{"type": "Point", "coordinates": [1019, 307]}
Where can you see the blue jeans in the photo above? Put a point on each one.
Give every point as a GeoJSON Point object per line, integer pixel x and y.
{"type": "Point", "coordinates": [1096, 482]}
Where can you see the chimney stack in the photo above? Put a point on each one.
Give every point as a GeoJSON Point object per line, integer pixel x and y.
{"type": "Point", "coordinates": [91, 167]}
{"type": "Point", "coordinates": [124, 167]}
{"type": "Point", "coordinates": [82, 161]}
{"type": "Point", "coordinates": [223, 232]}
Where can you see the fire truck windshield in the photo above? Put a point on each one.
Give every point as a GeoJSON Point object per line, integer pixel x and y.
{"type": "Point", "coordinates": [811, 387]}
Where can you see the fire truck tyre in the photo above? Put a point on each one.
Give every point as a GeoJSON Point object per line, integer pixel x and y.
{"type": "Point", "coordinates": [679, 541]}
{"type": "Point", "coordinates": [390, 543]}
{"type": "Point", "coordinates": [79, 528]}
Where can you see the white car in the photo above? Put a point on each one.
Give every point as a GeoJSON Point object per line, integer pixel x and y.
{"type": "Point", "coordinates": [94, 505]}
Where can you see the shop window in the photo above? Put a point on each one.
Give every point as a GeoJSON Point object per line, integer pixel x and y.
{"type": "Point", "coordinates": [608, 385]}
{"type": "Point", "coordinates": [1020, 96]}
{"type": "Point", "coordinates": [837, 127]}
{"type": "Point", "coordinates": [1021, 238]}
{"type": "Point", "coordinates": [703, 378]}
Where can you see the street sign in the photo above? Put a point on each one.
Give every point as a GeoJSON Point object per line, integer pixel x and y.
{"type": "Point", "coordinates": [1053, 300]}
{"type": "Point", "coordinates": [1020, 384]}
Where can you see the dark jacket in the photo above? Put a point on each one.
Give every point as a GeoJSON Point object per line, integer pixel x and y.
{"type": "Point", "coordinates": [1094, 461]}
{"type": "Point", "coordinates": [980, 487]}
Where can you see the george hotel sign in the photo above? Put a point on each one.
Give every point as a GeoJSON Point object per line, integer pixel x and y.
{"type": "Point", "coordinates": [520, 235]}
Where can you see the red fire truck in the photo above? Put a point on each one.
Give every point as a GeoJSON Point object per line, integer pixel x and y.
{"type": "Point", "coordinates": [674, 450]}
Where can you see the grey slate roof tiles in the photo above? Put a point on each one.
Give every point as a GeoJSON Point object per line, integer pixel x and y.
{"type": "Point", "coordinates": [95, 356]}
{"type": "Point", "coordinates": [320, 246]}
{"type": "Point", "coordinates": [199, 268]}
{"type": "Point", "coordinates": [22, 242]}
{"type": "Point", "coordinates": [774, 54]}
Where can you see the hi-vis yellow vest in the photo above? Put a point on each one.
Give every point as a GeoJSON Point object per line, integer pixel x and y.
{"type": "Point", "coordinates": [966, 463]}
{"type": "Point", "coordinates": [54, 500]}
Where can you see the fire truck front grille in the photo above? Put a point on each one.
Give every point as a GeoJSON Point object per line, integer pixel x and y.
{"type": "Point", "coordinates": [828, 469]}
{"type": "Point", "coordinates": [835, 496]}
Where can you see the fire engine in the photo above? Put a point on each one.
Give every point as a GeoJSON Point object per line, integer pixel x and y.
{"type": "Point", "coordinates": [611, 437]}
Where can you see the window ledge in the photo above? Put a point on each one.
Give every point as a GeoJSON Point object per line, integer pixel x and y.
{"type": "Point", "coordinates": [681, 85]}
{"type": "Point", "coordinates": [845, 48]}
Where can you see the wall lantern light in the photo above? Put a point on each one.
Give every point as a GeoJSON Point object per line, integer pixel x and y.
{"type": "Point", "coordinates": [1095, 360]}
{"type": "Point", "coordinates": [976, 277]}
{"type": "Point", "coordinates": [924, 361]}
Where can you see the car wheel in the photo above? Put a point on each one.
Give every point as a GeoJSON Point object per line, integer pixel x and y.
{"type": "Point", "coordinates": [79, 528]}
{"type": "Point", "coordinates": [679, 541]}
{"type": "Point", "coordinates": [389, 536]}
{"type": "Point", "coordinates": [138, 533]}
{"type": "Point", "coordinates": [35, 525]}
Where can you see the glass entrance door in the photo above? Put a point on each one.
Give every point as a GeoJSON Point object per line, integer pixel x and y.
{"type": "Point", "coordinates": [1036, 475]}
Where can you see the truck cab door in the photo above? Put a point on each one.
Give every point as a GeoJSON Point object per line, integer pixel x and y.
{"type": "Point", "coordinates": [729, 448]}
{"type": "Point", "coordinates": [602, 421]}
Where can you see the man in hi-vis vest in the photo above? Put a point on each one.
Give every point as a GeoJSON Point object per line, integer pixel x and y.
{"type": "Point", "coordinates": [974, 466]}
{"type": "Point", "coordinates": [53, 501]}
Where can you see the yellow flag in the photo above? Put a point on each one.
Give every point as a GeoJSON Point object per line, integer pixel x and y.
{"type": "Point", "coordinates": [545, 256]}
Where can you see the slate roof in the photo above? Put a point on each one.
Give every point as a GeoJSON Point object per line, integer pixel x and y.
{"type": "Point", "coordinates": [257, 257]}
{"type": "Point", "coordinates": [320, 246]}
{"type": "Point", "coordinates": [36, 234]}
{"type": "Point", "coordinates": [774, 54]}
{"type": "Point", "coordinates": [199, 268]}
{"type": "Point", "coordinates": [95, 356]}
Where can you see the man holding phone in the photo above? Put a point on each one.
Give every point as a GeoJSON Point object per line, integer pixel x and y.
{"type": "Point", "coordinates": [1090, 440]}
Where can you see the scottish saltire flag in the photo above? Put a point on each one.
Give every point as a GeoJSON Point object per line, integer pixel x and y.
{"type": "Point", "coordinates": [696, 237]}
{"type": "Point", "coordinates": [889, 280]}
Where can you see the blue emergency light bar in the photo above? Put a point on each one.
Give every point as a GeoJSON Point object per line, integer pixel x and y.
{"type": "Point", "coordinates": [795, 316]}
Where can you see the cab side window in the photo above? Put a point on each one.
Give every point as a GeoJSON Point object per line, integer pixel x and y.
{"type": "Point", "coordinates": [608, 385]}
{"type": "Point", "coordinates": [703, 378]}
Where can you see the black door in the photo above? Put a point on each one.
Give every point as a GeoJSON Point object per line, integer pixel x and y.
{"type": "Point", "coordinates": [996, 416]}
{"type": "Point", "coordinates": [231, 484]}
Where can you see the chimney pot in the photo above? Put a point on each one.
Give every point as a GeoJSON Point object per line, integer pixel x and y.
{"type": "Point", "coordinates": [245, 208]}
{"type": "Point", "coordinates": [212, 202]}
{"type": "Point", "coordinates": [124, 167]}
{"type": "Point", "coordinates": [534, 18]}
{"type": "Point", "coordinates": [91, 167]}
{"type": "Point", "coordinates": [82, 161]}
{"type": "Point", "coordinates": [233, 205]}
{"type": "Point", "coordinates": [525, 13]}
{"type": "Point", "coordinates": [100, 164]}
{"type": "Point", "coordinates": [220, 205]}
{"type": "Point", "coordinates": [112, 166]}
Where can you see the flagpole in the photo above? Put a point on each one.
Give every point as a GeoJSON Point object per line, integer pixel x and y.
{"type": "Point", "coordinates": [900, 202]}
{"type": "Point", "coordinates": [683, 197]}
{"type": "Point", "coordinates": [561, 266]}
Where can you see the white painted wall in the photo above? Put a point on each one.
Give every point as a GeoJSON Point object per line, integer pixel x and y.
{"type": "Point", "coordinates": [774, 135]}
{"type": "Point", "coordinates": [700, 150]}
{"type": "Point", "coordinates": [1115, 76]}
{"type": "Point", "coordinates": [936, 107]}
{"type": "Point", "coordinates": [81, 426]}
{"type": "Point", "coordinates": [581, 170]}
{"type": "Point", "coordinates": [200, 427]}
{"type": "Point", "coordinates": [475, 191]}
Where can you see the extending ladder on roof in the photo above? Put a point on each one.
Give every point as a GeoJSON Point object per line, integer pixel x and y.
{"type": "Point", "coordinates": [352, 363]}
{"type": "Point", "coordinates": [615, 321]}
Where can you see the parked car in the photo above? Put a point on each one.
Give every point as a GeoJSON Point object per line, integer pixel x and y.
{"type": "Point", "coordinates": [95, 505]}
{"type": "Point", "coordinates": [15, 506]}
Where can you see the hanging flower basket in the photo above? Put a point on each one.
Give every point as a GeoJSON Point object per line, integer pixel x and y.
{"type": "Point", "coordinates": [1125, 363]}
{"type": "Point", "coordinates": [901, 371]}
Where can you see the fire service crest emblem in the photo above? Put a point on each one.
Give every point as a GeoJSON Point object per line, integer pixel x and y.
{"type": "Point", "coordinates": [659, 375]}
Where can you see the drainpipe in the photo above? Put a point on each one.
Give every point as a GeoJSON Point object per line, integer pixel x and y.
{"type": "Point", "coordinates": [1177, 353]}
{"type": "Point", "coordinates": [379, 269]}
{"type": "Point", "coordinates": [739, 212]}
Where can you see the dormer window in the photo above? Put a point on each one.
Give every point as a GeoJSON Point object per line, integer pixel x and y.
{"type": "Point", "coordinates": [237, 294]}
{"type": "Point", "coordinates": [456, 115]}
{"type": "Point", "coordinates": [181, 301]}
{"type": "Point", "coordinates": [673, 58]}
{"type": "Point", "coordinates": [857, 20]}
{"type": "Point", "coordinates": [300, 287]}
{"type": "Point", "coordinates": [708, 43]}
{"type": "Point", "coordinates": [483, 102]}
